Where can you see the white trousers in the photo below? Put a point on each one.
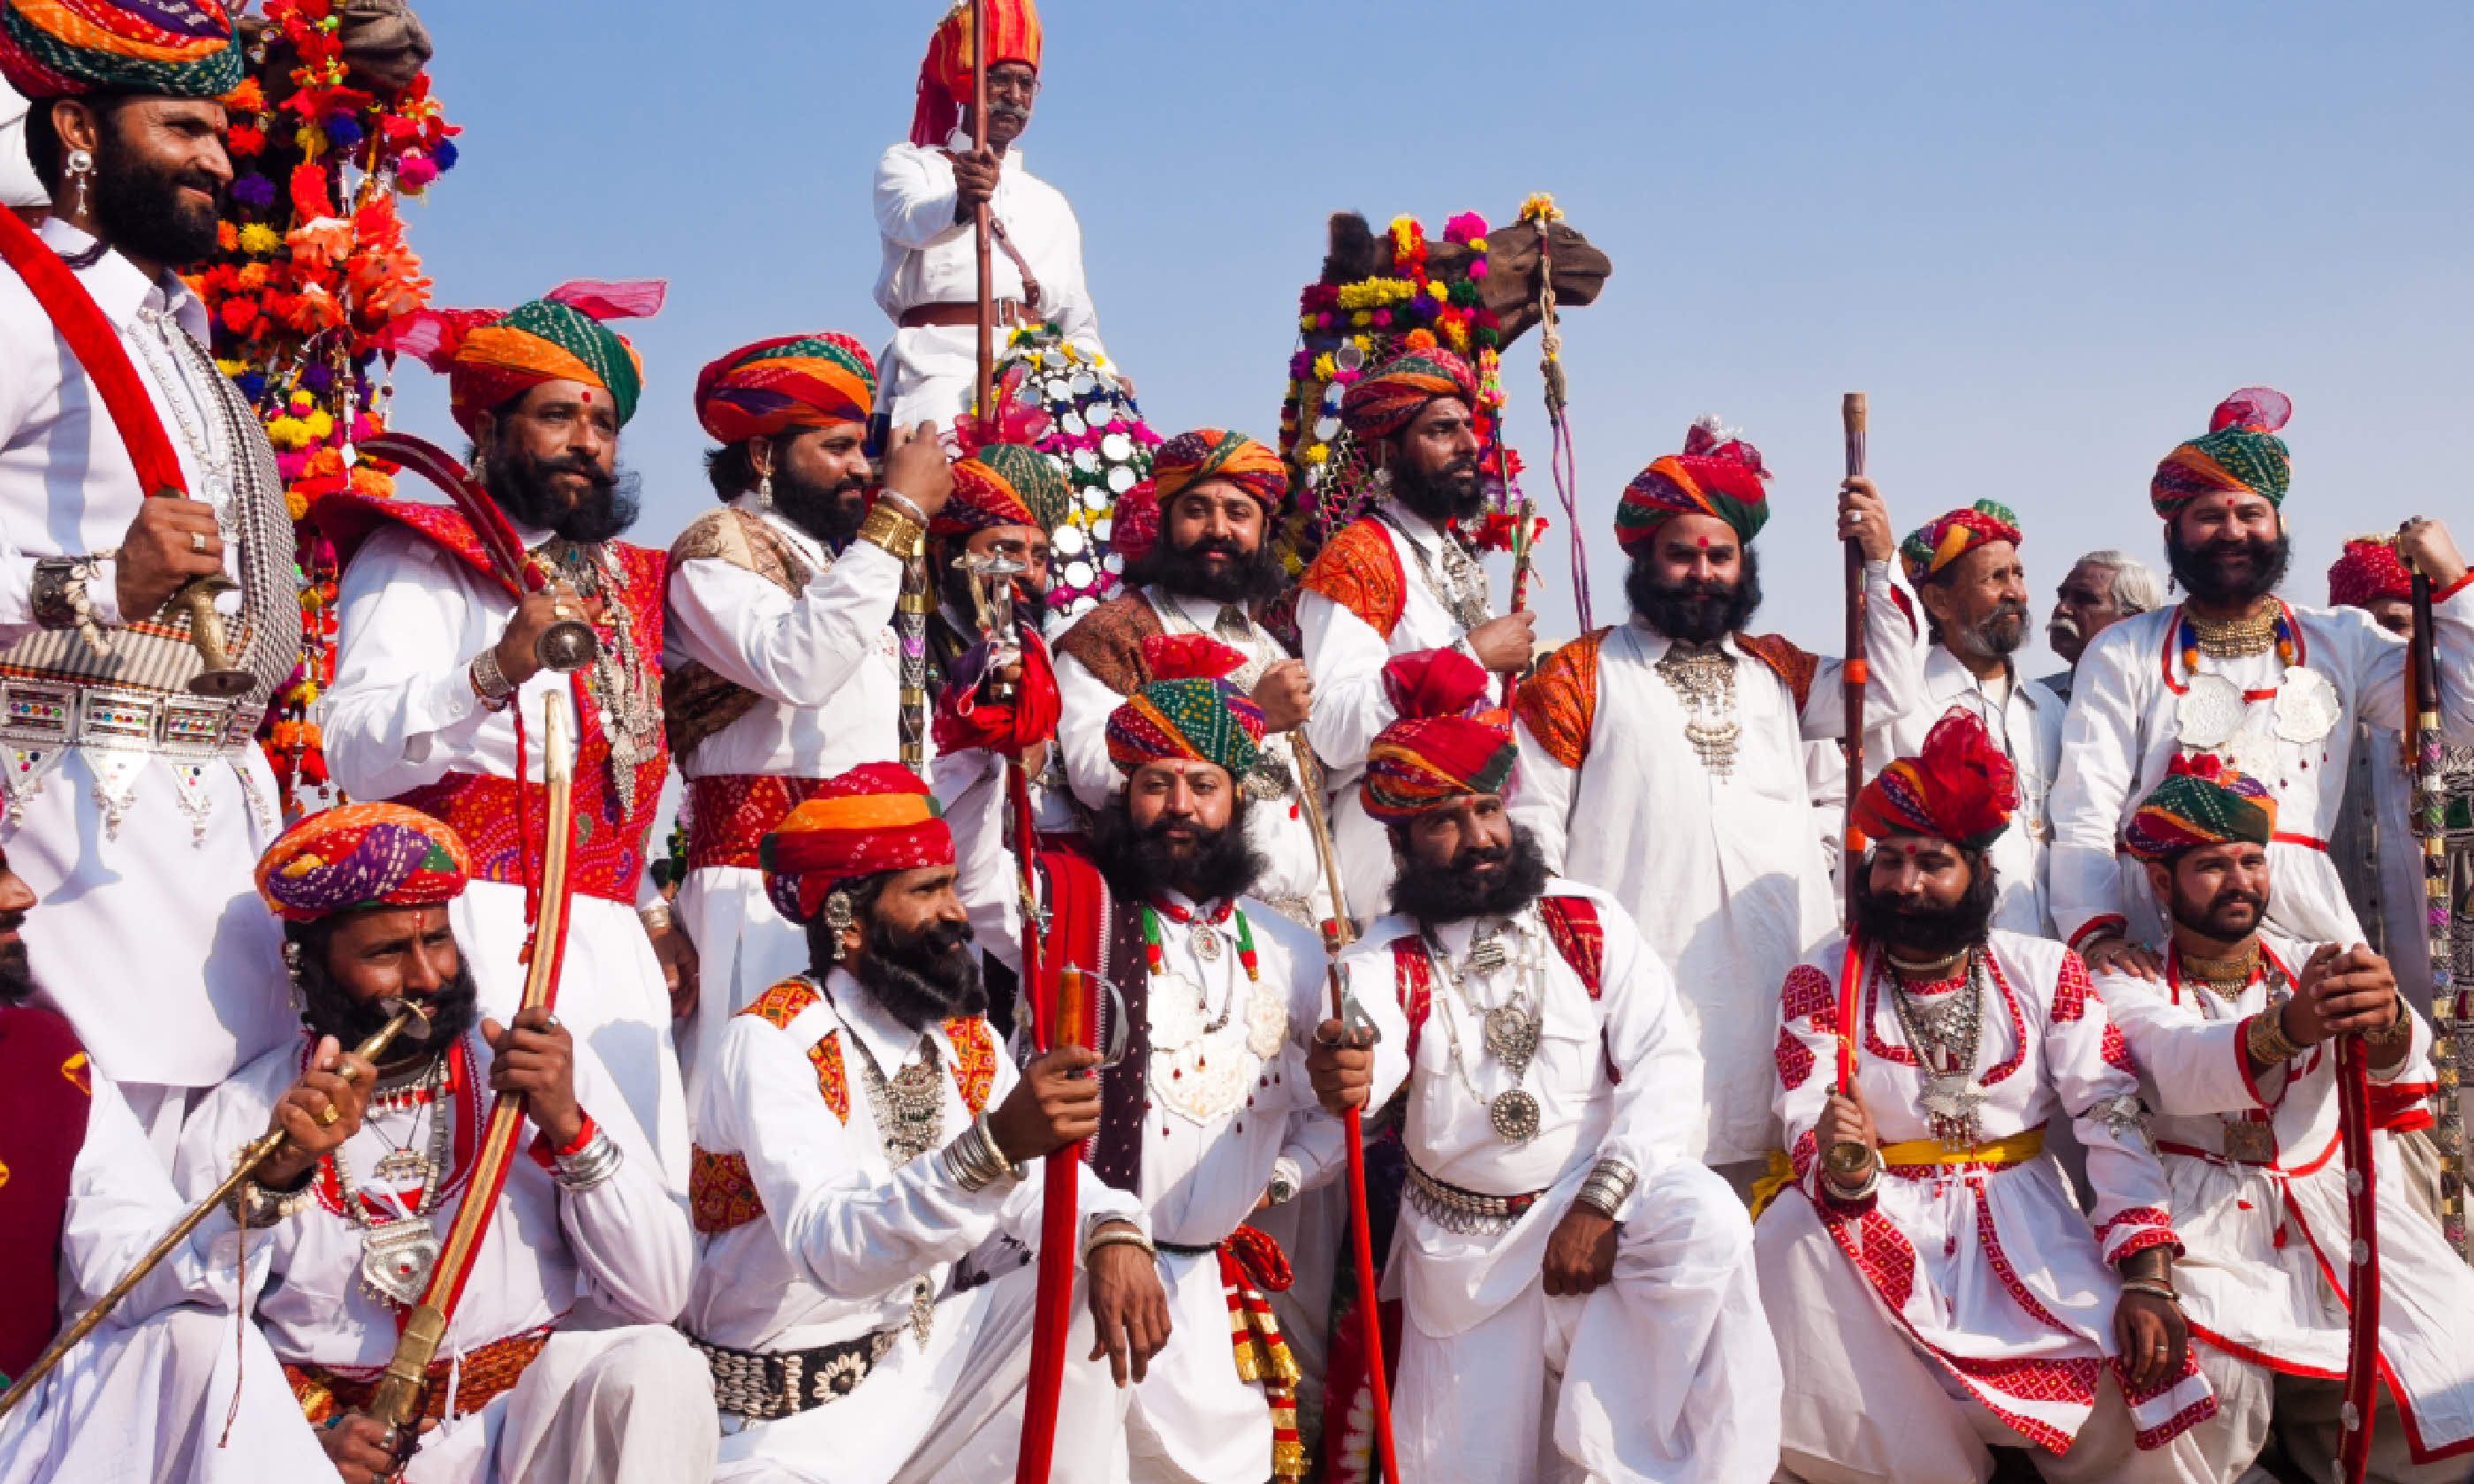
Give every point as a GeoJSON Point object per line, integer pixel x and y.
{"type": "Point", "coordinates": [2307, 1414]}
{"type": "Point", "coordinates": [1189, 1421]}
{"type": "Point", "coordinates": [630, 1405]}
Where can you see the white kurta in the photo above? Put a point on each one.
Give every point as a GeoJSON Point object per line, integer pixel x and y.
{"type": "Point", "coordinates": [620, 1252]}
{"type": "Point", "coordinates": [2123, 732]}
{"type": "Point", "coordinates": [2265, 1245]}
{"type": "Point", "coordinates": [2385, 870]}
{"type": "Point", "coordinates": [970, 788]}
{"type": "Point", "coordinates": [19, 186]}
{"type": "Point", "coordinates": [401, 713]}
{"type": "Point", "coordinates": [1668, 1372]}
{"type": "Point", "coordinates": [1986, 1277]}
{"type": "Point", "coordinates": [929, 258]}
{"type": "Point", "coordinates": [1732, 890]}
{"type": "Point", "coordinates": [152, 940]}
{"type": "Point", "coordinates": [2027, 725]}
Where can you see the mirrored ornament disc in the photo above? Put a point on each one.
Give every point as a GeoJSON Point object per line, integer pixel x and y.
{"type": "Point", "coordinates": [1101, 528]}
{"type": "Point", "coordinates": [1084, 385]}
{"type": "Point", "coordinates": [1326, 428]}
{"type": "Point", "coordinates": [2307, 705]}
{"type": "Point", "coordinates": [1101, 414]}
{"type": "Point", "coordinates": [1095, 499]}
{"type": "Point", "coordinates": [1054, 359]}
{"type": "Point", "coordinates": [2208, 713]}
{"type": "Point", "coordinates": [1077, 574]}
{"type": "Point", "coordinates": [1069, 540]}
{"type": "Point", "coordinates": [1054, 389]}
{"type": "Point", "coordinates": [1116, 448]}
{"type": "Point", "coordinates": [1348, 357]}
{"type": "Point", "coordinates": [1122, 478]}
{"type": "Point", "coordinates": [1113, 563]}
{"type": "Point", "coordinates": [1081, 606]}
{"type": "Point", "coordinates": [1515, 1116]}
{"type": "Point", "coordinates": [1085, 460]}
{"type": "Point", "coordinates": [1071, 424]}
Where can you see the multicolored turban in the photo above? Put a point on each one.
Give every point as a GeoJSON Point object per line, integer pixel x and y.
{"type": "Point", "coordinates": [1960, 788]}
{"type": "Point", "coordinates": [1382, 401]}
{"type": "Point", "coordinates": [1940, 542]}
{"type": "Point", "coordinates": [362, 855]}
{"type": "Point", "coordinates": [161, 48]}
{"type": "Point", "coordinates": [1716, 474]}
{"type": "Point", "coordinates": [2368, 569]}
{"type": "Point", "coordinates": [791, 382]}
{"type": "Point", "coordinates": [1188, 710]}
{"type": "Point", "coordinates": [1441, 748]}
{"type": "Point", "coordinates": [2240, 451]}
{"type": "Point", "coordinates": [1189, 458]}
{"type": "Point", "coordinates": [490, 355]}
{"type": "Point", "coordinates": [877, 817]}
{"type": "Point", "coordinates": [2199, 801]}
{"type": "Point", "coordinates": [945, 72]}
{"type": "Point", "coordinates": [1005, 484]}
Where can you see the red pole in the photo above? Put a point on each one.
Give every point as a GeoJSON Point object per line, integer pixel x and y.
{"type": "Point", "coordinates": [1853, 415]}
{"type": "Point", "coordinates": [982, 390]}
{"type": "Point", "coordinates": [2363, 1278]}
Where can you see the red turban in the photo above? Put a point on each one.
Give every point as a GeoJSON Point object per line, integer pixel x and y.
{"type": "Point", "coordinates": [1960, 788]}
{"type": "Point", "coordinates": [791, 382]}
{"type": "Point", "coordinates": [877, 817]}
{"type": "Point", "coordinates": [2369, 569]}
{"type": "Point", "coordinates": [1189, 458]}
{"type": "Point", "coordinates": [945, 72]}
{"type": "Point", "coordinates": [1716, 474]}
{"type": "Point", "coordinates": [1438, 750]}
{"type": "Point", "coordinates": [968, 721]}
{"type": "Point", "coordinates": [362, 855]}
{"type": "Point", "coordinates": [1382, 401]}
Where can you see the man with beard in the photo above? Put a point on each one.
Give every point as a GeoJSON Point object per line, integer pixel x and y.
{"type": "Point", "coordinates": [1397, 581]}
{"type": "Point", "coordinates": [1221, 495]}
{"type": "Point", "coordinates": [1934, 1287]}
{"type": "Point", "coordinates": [2104, 589]}
{"type": "Point", "coordinates": [436, 664]}
{"type": "Point", "coordinates": [134, 806]}
{"type": "Point", "coordinates": [781, 667]}
{"type": "Point", "coordinates": [1683, 721]}
{"type": "Point", "coordinates": [147, 1393]}
{"type": "Point", "coordinates": [1966, 571]}
{"type": "Point", "coordinates": [524, 1386]}
{"type": "Point", "coordinates": [1555, 1226]}
{"type": "Point", "coordinates": [2237, 1048]}
{"type": "Point", "coordinates": [2273, 688]}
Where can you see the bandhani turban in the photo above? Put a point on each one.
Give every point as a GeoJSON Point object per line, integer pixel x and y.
{"type": "Point", "coordinates": [490, 355]}
{"type": "Point", "coordinates": [1441, 748]}
{"type": "Point", "coordinates": [1005, 484]}
{"type": "Point", "coordinates": [362, 855]}
{"type": "Point", "coordinates": [1381, 403]}
{"type": "Point", "coordinates": [945, 72]}
{"type": "Point", "coordinates": [1716, 474]}
{"type": "Point", "coordinates": [2199, 801]}
{"type": "Point", "coordinates": [791, 382]}
{"type": "Point", "coordinates": [1938, 542]}
{"type": "Point", "coordinates": [2240, 451]}
{"type": "Point", "coordinates": [2368, 569]}
{"type": "Point", "coordinates": [1188, 710]}
{"type": "Point", "coordinates": [162, 48]}
{"type": "Point", "coordinates": [1189, 458]}
{"type": "Point", "coordinates": [877, 817]}
{"type": "Point", "coordinates": [1960, 788]}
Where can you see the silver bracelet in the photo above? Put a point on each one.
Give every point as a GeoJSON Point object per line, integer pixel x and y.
{"type": "Point", "coordinates": [60, 598]}
{"type": "Point", "coordinates": [1115, 1235]}
{"type": "Point", "coordinates": [256, 1208]}
{"type": "Point", "coordinates": [1608, 1187]}
{"type": "Point", "coordinates": [490, 683]}
{"type": "Point", "coordinates": [974, 1161]}
{"type": "Point", "coordinates": [590, 1166]}
{"type": "Point", "coordinates": [1849, 1195]}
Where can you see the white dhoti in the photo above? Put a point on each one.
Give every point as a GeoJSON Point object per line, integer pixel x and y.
{"type": "Point", "coordinates": [1189, 1421]}
{"type": "Point", "coordinates": [631, 1406]}
{"type": "Point", "coordinates": [2308, 1413]}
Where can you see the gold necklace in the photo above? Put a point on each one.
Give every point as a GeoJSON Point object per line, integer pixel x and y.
{"type": "Point", "coordinates": [2232, 638]}
{"type": "Point", "coordinates": [1925, 970]}
{"type": "Point", "coordinates": [2224, 978]}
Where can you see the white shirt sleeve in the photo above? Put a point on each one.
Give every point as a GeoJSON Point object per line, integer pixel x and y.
{"type": "Point", "coordinates": [971, 787]}
{"type": "Point", "coordinates": [1542, 803]}
{"type": "Point", "coordinates": [914, 198]}
{"type": "Point", "coordinates": [630, 1235]}
{"type": "Point", "coordinates": [2193, 1064]}
{"type": "Point", "coordinates": [1068, 302]}
{"type": "Point", "coordinates": [1345, 656]}
{"type": "Point", "coordinates": [407, 630]}
{"type": "Point", "coordinates": [1082, 731]}
{"type": "Point", "coordinates": [120, 1203]}
{"type": "Point", "coordinates": [797, 651]}
{"type": "Point", "coordinates": [1894, 664]}
{"type": "Point", "coordinates": [1657, 1100]}
{"type": "Point", "coordinates": [2101, 757]}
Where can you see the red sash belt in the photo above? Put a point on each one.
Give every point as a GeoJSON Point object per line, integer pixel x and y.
{"type": "Point", "coordinates": [488, 1372]}
{"type": "Point", "coordinates": [730, 813]}
{"type": "Point", "coordinates": [604, 862]}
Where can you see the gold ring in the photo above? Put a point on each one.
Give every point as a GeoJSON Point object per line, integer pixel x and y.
{"type": "Point", "coordinates": [198, 542]}
{"type": "Point", "coordinates": [326, 1116]}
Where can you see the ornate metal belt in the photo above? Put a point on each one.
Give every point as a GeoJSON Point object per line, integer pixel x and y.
{"type": "Point", "coordinates": [759, 1385]}
{"type": "Point", "coordinates": [1464, 1212]}
{"type": "Point", "coordinates": [61, 714]}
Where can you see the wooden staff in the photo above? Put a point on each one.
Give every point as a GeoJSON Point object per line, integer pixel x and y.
{"type": "Point", "coordinates": [251, 1158]}
{"type": "Point", "coordinates": [1849, 1159]}
{"type": "Point", "coordinates": [2362, 1276]}
{"type": "Point", "coordinates": [397, 1402]}
{"type": "Point", "coordinates": [2431, 826]}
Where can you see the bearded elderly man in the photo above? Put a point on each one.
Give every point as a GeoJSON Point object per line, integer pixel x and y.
{"type": "Point", "coordinates": [851, 1335]}
{"type": "Point", "coordinates": [1685, 721]}
{"type": "Point", "coordinates": [520, 1390]}
{"type": "Point", "coordinates": [2237, 1047]}
{"type": "Point", "coordinates": [134, 806]}
{"type": "Point", "coordinates": [2270, 687]}
{"type": "Point", "coordinates": [1555, 1228]}
{"type": "Point", "coordinates": [1935, 1286]}
{"type": "Point", "coordinates": [781, 667]}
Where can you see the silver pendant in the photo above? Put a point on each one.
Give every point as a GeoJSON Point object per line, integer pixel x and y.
{"type": "Point", "coordinates": [923, 1311]}
{"type": "Point", "coordinates": [1206, 942]}
{"type": "Point", "coordinates": [1512, 1034]}
{"type": "Point", "coordinates": [1270, 778]}
{"type": "Point", "coordinates": [2308, 706]}
{"type": "Point", "coordinates": [396, 1258]}
{"type": "Point", "coordinates": [1515, 1116]}
{"type": "Point", "coordinates": [2209, 713]}
{"type": "Point", "coordinates": [2256, 754]}
{"type": "Point", "coordinates": [402, 1167]}
{"type": "Point", "coordinates": [1949, 1101]}
{"type": "Point", "coordinates": [1487, 955]}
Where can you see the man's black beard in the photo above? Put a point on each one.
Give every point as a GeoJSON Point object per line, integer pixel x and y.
{"type": "Point", "coordinates": [1453, 892]}
{"type": "Point", "coordinates": [521, 484]}
{"type": "Point", "coordinates": [828, 512]}
{"type": "Point", "coordinates": [329, 1009]}
{"type": "Point", "coordinates": [1452, 492]}
{"type": "Point", "coordinates": [1928, 932]}
{"type": "Point", "coordinates": [1249, 577]}
{"type": "Point", "coordinates": [139, 208]}
{"type": "Point", "coordinates": [2202, 570]}
{"type": "Point", "coordinates": [954, 588]}
{"type": "Point", "coordinates": [1139, 862]}
{"type": "Point", "coordinates": [923, 976]}
{"type": "Point", "coordinates": [2208, 919]}
{"type": "Point", "coordinates": [1691, 610]}
{"type": "Point", "coordinates": [16, 972]}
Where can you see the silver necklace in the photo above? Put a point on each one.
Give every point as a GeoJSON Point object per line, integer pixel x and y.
{"type": "Point", "coordinates": [1703, 678]}
{"type": "Point", "coordinates": [625, 690]}
{"type": "Point", "coordinates": [1462, 587]}
{"type": "Point", "coordinates": [180, 389]}
{"type": "Point", "coordinates": [397, 1252]}
{"type": "Point", "coordinates": [1510, 1029]}
{"type": "Point", "coordinates": [909, 1109]}
{"type": "Point", "coordinates": [1945, 1037]}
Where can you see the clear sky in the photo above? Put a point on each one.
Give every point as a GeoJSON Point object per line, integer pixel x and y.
{"type": "Point", "coordinates": [2044, 238]}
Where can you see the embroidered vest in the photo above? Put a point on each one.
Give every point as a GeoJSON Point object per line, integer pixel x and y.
{"type": "Point", "coordinates": [45, 1091]}
{"type": "Point", "coordinates": [697, 701]}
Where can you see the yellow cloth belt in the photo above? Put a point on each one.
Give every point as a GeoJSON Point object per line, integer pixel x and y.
{"type": "Point", "coordinates": [2001, 1152]}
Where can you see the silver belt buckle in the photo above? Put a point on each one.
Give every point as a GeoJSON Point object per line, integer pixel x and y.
{"type": "Point", "coordinates": [115, 718]}
{"type": "Point", "coordinates": [38, 713]}
{"type": "Point", "coordinates": [195, 726]}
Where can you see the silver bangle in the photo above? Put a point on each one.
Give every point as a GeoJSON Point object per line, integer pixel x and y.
{"type": "Point", "coordinates": [590, 1166]}
{"type": "Point", "coordinates": [974, 1161]}
{"type": "Point", "coordinates": [256, 1208]}
{"type": "Point", "coordinates": [60, 598]}
{"type": "Point", "coordinates": [1282, 1187]}
{"type": "Point", "coordinates": [1848, 1195]}
{"type": "Point", "coordinates": [1116, 1234]}
{"type": "Point", "coordinates": [1608, 1187]}
{"type": "Point", "coordinates": [656, 918]}
{"type": "Point", "coordinates": [490, 683]}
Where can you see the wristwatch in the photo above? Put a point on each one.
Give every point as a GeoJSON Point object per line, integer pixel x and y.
{"type": "Point", "coordinates": [1282, 1187]}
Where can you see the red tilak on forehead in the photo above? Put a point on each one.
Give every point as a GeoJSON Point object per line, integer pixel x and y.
{"type": "Point", "coordinates": [587, 397]}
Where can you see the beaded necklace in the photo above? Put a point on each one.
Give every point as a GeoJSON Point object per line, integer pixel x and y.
{"type": "Point", "coordinates": [1207, 931]}
{"type": "Point", "coordinates": [2239, 638]}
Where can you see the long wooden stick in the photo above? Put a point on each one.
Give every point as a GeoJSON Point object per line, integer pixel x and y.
{"type": "Point", "coordinates": [1853, 417]}
{"type": "Point", "coordinates": [2363, 1271]}
{"type": "Point", "coordinates": [2431, 826]}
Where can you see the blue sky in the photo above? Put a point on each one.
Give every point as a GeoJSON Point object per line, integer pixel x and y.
{"type": "Point", "coordinates": [2045, 239]}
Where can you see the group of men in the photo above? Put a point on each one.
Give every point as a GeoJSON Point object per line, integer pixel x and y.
{"type": "Point", "coordinates": [1678, 1176]}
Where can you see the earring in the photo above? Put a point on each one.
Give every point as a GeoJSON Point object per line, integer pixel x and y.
{"type": "Point", "coordinates": [291, 971]}
{"type": "Point", "coordinates": [80, 170]}
{"type": "Point", "coordinates": [838, 919]}
{"type": "Point", "coordinates": [480, 467]}
{"type": "Point", "coordinates": [1382, 480]}
{"type": "Point", "coordinates": [764, 490]}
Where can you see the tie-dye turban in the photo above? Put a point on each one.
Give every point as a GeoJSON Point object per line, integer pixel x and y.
{"type": "Point", "coordinates": [2369, 569]}
{"type": "Point", "coordinates": [1960, 788]}
{"type": "Point", "coordinates": [1938, 542]}
{"type": "Point", "coordinates": [791, 382]}
{"type": "Point", "coordinates": [1005, 484]}
{"type": "Point", "coordinates": [945, 72]}
{"type": "Point", "coordinates": [160, 48]}
{"type": "Point", "coordinates": [2200, 800]}
{"type": "Point", "coordinates": [2240, 451]}
{"type": "Point", "coordinates": [877, 817]}
{"type": "Point", "coordinates": [362, 855]}
{"type": "Point", "coordinates": [1716, 474]}
{"type": "Point", "coordinates": [490, 355]}
{"type": "Point", "coordinates": [1189, 709]}
{"type": "Point", "coordinates": [1189, 458]}
{"type": "Point", "coordinates": [1382, 401]}
{"type": "Point", "coordinates": [1441, 748]}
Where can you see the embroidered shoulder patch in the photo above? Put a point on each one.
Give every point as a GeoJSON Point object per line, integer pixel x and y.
{"type": "Point", "coordinates": [1793, 665]}
{"type": "Point", "coordinates": [975, 1060]}
{"type": "Point", "coordinates": [1359, 570]}
{"type": "Point", "coordinates": [782, 1004]}
{"type": "Point", "coordinates": [833, 1082]}
{"type": "Point", "coordinates": [1560, 701]}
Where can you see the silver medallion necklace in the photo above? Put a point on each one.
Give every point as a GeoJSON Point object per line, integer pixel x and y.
{"type": "Point", "coordinates": [910, 1109]}
{"type": "Point", "coordinates": [397, 1252]}
{"type": "Point", "coordinates": [1510, 1029]}
{"type": "Point", "coordinates": [182, 392]}
{"type": "Point", "coordinates": [1945, 1031]}
{"type": "Point", "coordinates": [1703, 678]}
{"type": "Point", "coordinates": [1460, 588]}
